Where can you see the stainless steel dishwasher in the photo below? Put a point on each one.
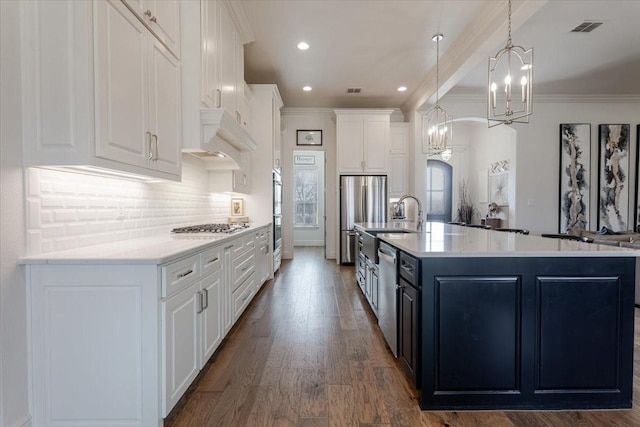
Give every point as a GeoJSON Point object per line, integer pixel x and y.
{"type": "Point", "coordinates": [387, 303]}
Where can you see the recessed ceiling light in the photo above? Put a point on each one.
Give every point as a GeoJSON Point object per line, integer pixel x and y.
{"type": "Point", "coordinates": [303, 45]}
{"type": "Point", "coordinates": [402, 88]}
{"type": "Point", "coordinates": [306, 88]}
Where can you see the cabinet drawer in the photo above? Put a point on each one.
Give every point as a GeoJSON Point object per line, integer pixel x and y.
{"type": "Point", "coordinates": [178, 275]}
{"type": "Point", "coordinates": [409, 268]}
{"type": "Point", "coordinates": [242, 296]}
{"type": "Point", "coordinates": [243, 245]}
{"type": "Point", "coordinates": [211, 260]}
{"type": "Point", "coordinates": [242, 268]}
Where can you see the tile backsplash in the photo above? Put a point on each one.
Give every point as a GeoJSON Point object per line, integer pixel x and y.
{"type": "Point", "coordinates": [69, 210]}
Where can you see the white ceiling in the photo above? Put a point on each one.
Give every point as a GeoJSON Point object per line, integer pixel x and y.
{"type": "Point", "coordinates": [379, 45]}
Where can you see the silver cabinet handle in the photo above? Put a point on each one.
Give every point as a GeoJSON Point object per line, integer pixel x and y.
{"type": "Point", "coordinates": [155, 154]}
{"type": "Point", "coordinates": [206, 299]}
{"type": "Point", "coordinates": [149, 15]}
{"type": "Point", "coordinates": [185, 274]}
{"type": "Point", "coordinates": [245, 298]}
{"type": "Point", "coordinates": [212, 260]}
{"type": "Point", "coordinates": [200, 308]}
{"type": "Point", "coordinates": [246, 268]}
{"type": "Point", "coordinates": [218, 98]}
{"type": "Point", "coordinates": [400, 286]}
{"type": "Point", "coordinates": [228, 247]}
{"type": "Point", "coordinates": [150, 155]}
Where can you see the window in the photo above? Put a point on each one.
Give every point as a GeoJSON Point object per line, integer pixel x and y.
{"type": "Point", "coordinates": [438, 191]}
{"type": "Point", "coordinates": [306, 197]}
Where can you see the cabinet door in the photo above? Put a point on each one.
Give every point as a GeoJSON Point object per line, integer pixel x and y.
{"type": "Point", "coordinates": [399, 137]}
{"type": "Point", "coordinates": [350, 144]}
{"type": "Point", "coordinates": [374, 290]}
{"type": "Point", "coordinates": [181, 344]}
{"type": "Point", "coordinates": [211, 317]}
{"type": "Point", "coordinates": [240, 101]}
{"type": "Point", "coordinates": [276, 137]}
{"type": "Point", "coordinates": [398, 175]}
{"type": "Point", "coordinates": [121, 79]}
{"type": "Point", "coordinates": [165, 110]}
{"type": "Point", "coordinates": [408, 328]}
{"type": "Point", "coordinates": [165, 22]}
{"type": "Point", "coordinates": [227, 59]}
{"type": "Point", "coordinates": [376, 137]}
{"type": "Point", "coordinates": [227, 278]}
{"type": "Point", "coordinates": [163, 17]}
{"type": "Point", "coordinates": [210, 53]}
{"type": "Point", "coordinates": [242, 176]}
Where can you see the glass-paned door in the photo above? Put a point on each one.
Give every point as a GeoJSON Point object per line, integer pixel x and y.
{"type": "Point", "coordinates": [438, 197]}
{"type": "Point", "coordinates": [306, 198]}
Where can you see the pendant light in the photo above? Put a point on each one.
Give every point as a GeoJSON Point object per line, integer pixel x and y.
{"type": "Point", "coordinates": [511, 67]}
{"type": "Point", "coordinates": [437, 124]}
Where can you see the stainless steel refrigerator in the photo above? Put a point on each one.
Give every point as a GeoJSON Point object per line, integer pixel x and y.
{"type": "Point", "coordinates": [363, 198]}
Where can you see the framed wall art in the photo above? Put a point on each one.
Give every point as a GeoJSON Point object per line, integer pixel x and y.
{"type": "Point", "coordinates": [309, 137]}
{"type": "Point", "coordinates": [499, 187]}
{"type": "Point", "coordinates": [613, 177]}
{"type": "Point", "coordinates": [237, 207]}
{"type": "Point", "coordinates": [575, 165]}
{"type": "Point", "coordinates": [637, 219]}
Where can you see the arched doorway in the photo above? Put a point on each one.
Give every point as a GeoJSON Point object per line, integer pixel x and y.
{"type": "Point", "coordinates": [439, 190]}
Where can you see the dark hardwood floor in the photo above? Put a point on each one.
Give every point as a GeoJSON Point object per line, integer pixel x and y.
{"type": "Point", "coordinates": [308, 352]}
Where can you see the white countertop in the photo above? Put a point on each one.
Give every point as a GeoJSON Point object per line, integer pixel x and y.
{"type": "Point", "coordinates": [446, 240]}
{"type": "Point", "coordinates": [153, 250]}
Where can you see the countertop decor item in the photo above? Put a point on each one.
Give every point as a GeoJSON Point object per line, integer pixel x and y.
{"type": "Point", "coordinates": [465, 211]}
{"type": "Point", "coordinates": [237, 207]}
{"type": "Point", "coordinates": [512, 66]}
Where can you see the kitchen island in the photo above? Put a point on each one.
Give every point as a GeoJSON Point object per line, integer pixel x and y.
{"type": "Point", "coordinates": [508, 321]}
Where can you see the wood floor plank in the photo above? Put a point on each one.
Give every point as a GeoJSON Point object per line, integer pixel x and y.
{"type": "Point", "coordinates": [312, 387]}
{"type": "Point", "coordinates": [308, 353]}
{"type": "Point", "coordinates": [342, 411]}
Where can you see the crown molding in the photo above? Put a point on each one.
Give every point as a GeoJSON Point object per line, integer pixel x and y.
{"type": "Point", "coordinates": [294, 111]}
{"type": "Point", "coordinates": [242, 23]}
{"type": "Point", "coordinates": [551, 99]}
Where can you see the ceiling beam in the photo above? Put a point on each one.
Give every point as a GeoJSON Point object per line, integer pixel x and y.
{"type": "Point", "coordinates": [476, 43]}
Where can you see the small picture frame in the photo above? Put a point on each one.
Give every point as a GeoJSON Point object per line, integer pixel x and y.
{"type": "Point", "coordinates": [309, 137]}
{"type": "Point", "coordinates": [237, 207]}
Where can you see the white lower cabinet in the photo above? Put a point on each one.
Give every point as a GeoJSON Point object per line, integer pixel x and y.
{"type": "Point", "coordinates": [192, 331]}
{"type": "Point", "coordinates": [119, 343]}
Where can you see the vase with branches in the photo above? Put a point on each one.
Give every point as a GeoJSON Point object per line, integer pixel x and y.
{"type": "Point", "coordinates": [465, 209]}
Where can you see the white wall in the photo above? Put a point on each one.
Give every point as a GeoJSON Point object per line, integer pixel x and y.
{"type": "Point", "coordinates": [537, 150]}
{"type": "Point", "coordinates": [14, 397]}
{"type": "Point", "coordinates": [312, 236]}
{"type": "Point", "coordinates": [294, 119]}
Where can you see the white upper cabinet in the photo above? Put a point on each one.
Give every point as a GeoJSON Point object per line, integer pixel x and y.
{"type": "Point", "coordinates": [399, 160]}
{"type": "Point", "coordinates": [101, 91]}
{"type": "Point", "coordinates": [363, 140]}
{"type": "Point", "coordinates": [214, 99]}
{"type": "Point", "coordinates": [222, 60]}
{"type": "Point", "coordinates": [163, 18]}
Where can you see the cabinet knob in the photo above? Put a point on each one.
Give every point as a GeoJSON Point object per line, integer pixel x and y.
{"type": "Point", "coordinates": [148, 13]}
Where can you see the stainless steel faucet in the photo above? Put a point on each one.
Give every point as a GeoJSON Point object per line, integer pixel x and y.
{"type": "Point", "coordinates": [419, 224]}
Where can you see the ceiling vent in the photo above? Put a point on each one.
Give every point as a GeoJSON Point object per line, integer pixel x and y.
{"type": "Point", "coordinates": [354, 90]}
{"type": "Point", "coordinates": [586, 27]}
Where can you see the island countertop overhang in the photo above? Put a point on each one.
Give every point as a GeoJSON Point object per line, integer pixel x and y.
{"type": "Point", "coordinates": [448, 240]}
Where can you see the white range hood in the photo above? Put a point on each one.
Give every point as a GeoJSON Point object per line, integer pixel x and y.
{"type": "Point", "coordinates": [221, 140]}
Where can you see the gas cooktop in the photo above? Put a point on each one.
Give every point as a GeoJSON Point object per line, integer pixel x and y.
{"type": "Point", "coordinates": [210, 228]}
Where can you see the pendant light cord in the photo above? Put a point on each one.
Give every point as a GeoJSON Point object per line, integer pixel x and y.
{"type": "Point", "coordinates": [509, 42]}
{"type": "Point", "coordinates": [437, 70]}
